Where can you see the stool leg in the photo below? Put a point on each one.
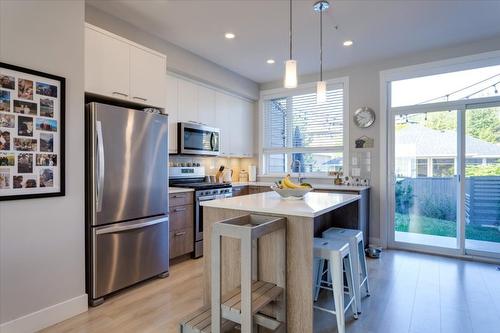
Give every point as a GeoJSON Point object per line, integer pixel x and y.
{"type": "Point", "coordinates": [319, 278]}
{"type": "Point", "coordinates": [316, 277]}
{"type": "Point", "coordinates": [362, 261]}
{"type": "Point", "coordinates": [353, 289]}
{"type": "Point", "coordinates": [246, 285]}
{"type": "Point", "coordinates": [338, 290]}
{"type": "Point", "coordinates": [216, 281]}
{"type": "Point", "coordinates": [355, 264]}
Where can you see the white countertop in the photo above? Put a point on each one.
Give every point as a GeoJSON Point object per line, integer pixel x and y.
{"type": "Point", "coordinates": [314, 204]}
{"type": "Point", "coordinates": [316, 186]}
{"type": "Point", "coordinates": [172, 190]}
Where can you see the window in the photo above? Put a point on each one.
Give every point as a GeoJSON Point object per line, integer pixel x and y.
{"type": "Point", "coordinates": [298, 130]}
{"type": "Point", "coordinates": [443, 167]}
{"type": "Point", "coordinates": [421, 167]}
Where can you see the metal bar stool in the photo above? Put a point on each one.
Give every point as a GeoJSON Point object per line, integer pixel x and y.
{"type": "Point", "coordinates": [357, 246]}
{"type": "Point", "coordinates": [337, 254]}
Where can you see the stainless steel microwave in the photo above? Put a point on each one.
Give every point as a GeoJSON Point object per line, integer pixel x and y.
{"type": "Point", "coordinates": [198, 139]}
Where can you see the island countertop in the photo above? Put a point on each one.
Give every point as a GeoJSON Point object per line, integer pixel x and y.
{"type": "Point", "coordinates": [313, 204]}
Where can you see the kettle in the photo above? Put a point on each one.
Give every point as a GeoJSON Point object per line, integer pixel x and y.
{"type": "Point", "coordinates": [227, 175]}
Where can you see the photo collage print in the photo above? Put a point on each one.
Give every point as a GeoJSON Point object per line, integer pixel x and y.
{"type": "Point", "coordinates": [29, 114]}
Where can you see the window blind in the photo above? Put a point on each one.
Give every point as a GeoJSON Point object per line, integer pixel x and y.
{"type": "Point", "coordinates": [298, 122]}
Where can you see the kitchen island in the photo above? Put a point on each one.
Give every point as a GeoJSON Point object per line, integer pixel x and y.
{"type": "Point", "coordinates": [305, 219]}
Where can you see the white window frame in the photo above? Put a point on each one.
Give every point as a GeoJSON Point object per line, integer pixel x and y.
{"type": "Point", "coordinates": [305, 88]}
{"type": "Point", "coordinates": [387, 153]}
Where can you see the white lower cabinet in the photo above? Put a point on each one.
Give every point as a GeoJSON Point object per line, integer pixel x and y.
{"type": "Point", "coordinates": [191, 102]}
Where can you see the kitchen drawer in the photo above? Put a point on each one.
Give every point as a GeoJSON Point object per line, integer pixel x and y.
{"type": "Point", "coordinates": [181, 242]}
{"type": "Point", "coordinates": [240, 190]}
{"type": "Point", "coordinates": [253, 189]}
{"type": "Point", "coordinates": [181, 217]}
{"type": "Point", "coordinates": [179, 199]}
{"type": "Point", "coordinates": [263, 189]}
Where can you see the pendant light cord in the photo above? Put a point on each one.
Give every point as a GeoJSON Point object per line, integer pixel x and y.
{"type": "Point", "coordinates": [321, 43]}
{"type": "Point", "coordinates": [290, 32]}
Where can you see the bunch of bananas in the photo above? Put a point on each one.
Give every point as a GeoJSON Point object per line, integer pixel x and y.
{"type": "Point", "coordinates": [287, 183]}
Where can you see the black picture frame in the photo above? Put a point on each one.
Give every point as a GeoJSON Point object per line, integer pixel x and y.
{"type": "Point", "coordinates": [60, 132]}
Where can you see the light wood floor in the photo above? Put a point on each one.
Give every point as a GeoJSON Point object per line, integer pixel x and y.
{"type": "Point", "coordinates": [410, 293]}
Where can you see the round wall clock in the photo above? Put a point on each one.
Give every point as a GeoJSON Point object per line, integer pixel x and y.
{"type": "Point", "coordinates": [364, 117]}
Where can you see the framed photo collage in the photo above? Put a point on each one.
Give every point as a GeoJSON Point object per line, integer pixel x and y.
{"type": "Point", "coordinates": [32, 106]}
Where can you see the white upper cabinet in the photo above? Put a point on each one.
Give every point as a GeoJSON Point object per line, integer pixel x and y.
{"type": "Point", "coordinates": [118, 68]}
{"type": "Point", "coordinates": [206, 106]}
{"type": "Point", "coordinates": [223, 120]}
{"type": "Point", "coordinates": [188, 101]}
{"type": "Point", "coordinates": [107, 65]}
{"type": "Point", "coordinates": [247, 129]}
{"type": "Point", "coordinates": [172, 111]}
{"type": "Point", "coordinates": [147, 77]}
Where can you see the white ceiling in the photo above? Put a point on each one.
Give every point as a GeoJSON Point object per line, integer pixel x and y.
{"type": "Point", "coordinates": [380, 29]}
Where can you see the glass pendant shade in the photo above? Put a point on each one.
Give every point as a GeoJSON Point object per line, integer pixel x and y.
{"type": "Point", "coordinates": [290, 74]}
{"type": "Point", "coordinates": [321, 92]}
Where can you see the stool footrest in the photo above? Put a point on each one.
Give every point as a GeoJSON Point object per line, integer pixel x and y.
{"type": "Point", "coordinates": [263, 293]}
{"type": "Point", "coordinates": [200, 321]}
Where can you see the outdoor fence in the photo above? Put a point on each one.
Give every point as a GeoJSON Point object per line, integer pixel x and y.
{"type": "Point", "coordinates": [436, 197]}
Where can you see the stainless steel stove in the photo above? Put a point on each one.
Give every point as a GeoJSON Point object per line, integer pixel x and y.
{"type": "Point", "coordinates": [194, 177]}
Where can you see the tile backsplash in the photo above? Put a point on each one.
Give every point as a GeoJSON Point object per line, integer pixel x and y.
{"type": "Point", "coordinates": [212, 164]}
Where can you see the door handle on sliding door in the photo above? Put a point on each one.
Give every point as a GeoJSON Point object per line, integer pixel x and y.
{"type": "Point", "coordinates": [100, 165]}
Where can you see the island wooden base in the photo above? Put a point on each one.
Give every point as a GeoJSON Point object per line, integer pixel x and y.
{"type": "Point", "coordinates": [299, 259]}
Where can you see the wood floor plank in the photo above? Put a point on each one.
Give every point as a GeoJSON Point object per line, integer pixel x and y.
{"type": "Point", "coordinates": [404, 288]}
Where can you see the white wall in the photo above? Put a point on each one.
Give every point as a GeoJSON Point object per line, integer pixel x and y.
{"type": "Point", "coordinates": [364, 90]}
{"type": "Point", "coordinates": [42, 259]}
{"type": "Point", "coordinates": [179, 60]}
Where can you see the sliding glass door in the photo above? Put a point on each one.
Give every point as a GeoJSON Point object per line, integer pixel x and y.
{"type": "Point", "coordinates": [445, 186]}
{"type": "Point", "coordinates": [482, 179]}
{"type": "Point", "coordinates": [425, 180]}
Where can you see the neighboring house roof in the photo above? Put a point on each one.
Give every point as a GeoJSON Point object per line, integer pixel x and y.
{"type": "Point", "coordinates": [429, 142]}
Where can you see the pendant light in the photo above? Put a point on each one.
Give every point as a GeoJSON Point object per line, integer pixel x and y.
{"type": "Point", "coordinates": [320, 7]}
{"type": "Point", "coordinates": [290, 65]}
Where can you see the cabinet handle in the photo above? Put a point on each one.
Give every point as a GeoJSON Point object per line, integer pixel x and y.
{"type": "Point", "coordinates": [178, 196]}
{"type": "Point", "coordinates": [119, 93]}
{"type": "Point", "coordinates": [182, 233]}
{"type": "Point", "coordinates": [140, 98]}
{"type": "Point", "coordinates": [179, 209]}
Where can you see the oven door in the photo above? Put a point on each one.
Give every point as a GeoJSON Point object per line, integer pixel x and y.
{"type": "Point", "coordinates": [198, 139]}
{"type": "Point", "coordinates": [198, 232]}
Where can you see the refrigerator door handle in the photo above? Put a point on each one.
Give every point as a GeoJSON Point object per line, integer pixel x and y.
{"type": "Point", "coordinates": [117, 228]}
{"type": "Point", "coordinates": [100, 166]}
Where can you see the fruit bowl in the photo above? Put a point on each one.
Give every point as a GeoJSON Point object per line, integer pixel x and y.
{"type": "Point", "coordinates": [292, 193]}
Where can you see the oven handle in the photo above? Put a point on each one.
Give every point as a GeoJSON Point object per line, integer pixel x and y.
{"type": "Point", "coordinates": [206, 198]}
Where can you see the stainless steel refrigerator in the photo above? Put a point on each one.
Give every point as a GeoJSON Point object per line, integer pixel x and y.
{"type": "Point", "coordinates": [127, 225]}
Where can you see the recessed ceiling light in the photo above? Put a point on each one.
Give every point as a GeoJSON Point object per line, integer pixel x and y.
{"type": "Point", "coordinates": [270, 61]}
{"type": "Point", "coordinates": [229, 35]}
{"type": "Point", "coordinates": [348, 43]}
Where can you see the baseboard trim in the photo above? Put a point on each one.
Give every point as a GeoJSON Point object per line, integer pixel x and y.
{"type": "Point", "coordinates": [46, 317]}
{"type": "Point", "coordinates": [374, 241]}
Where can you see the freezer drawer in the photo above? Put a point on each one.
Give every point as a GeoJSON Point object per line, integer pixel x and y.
{"type": "Point", "coordinates": [129, 252]}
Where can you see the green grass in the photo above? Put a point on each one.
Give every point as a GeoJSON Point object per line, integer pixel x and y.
{"type": "Point", "coordinates": [437, 227]}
